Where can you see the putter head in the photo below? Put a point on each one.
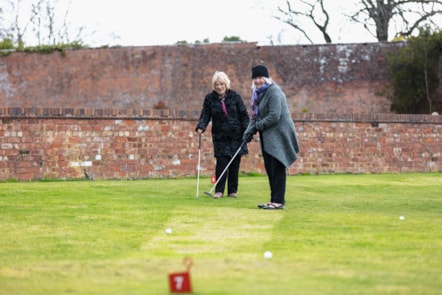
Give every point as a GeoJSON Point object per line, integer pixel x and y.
{"type": "Point", "coordinates": [209, 194]}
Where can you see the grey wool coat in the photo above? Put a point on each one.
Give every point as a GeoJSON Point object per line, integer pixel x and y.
{"type": "Point", "coordinates": [275, 125]}
{"type": "Point", "coordinates": [227, 131]}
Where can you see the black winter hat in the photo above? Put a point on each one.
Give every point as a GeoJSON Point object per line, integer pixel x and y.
{"type": "Point", "coordinates": [259, 71]}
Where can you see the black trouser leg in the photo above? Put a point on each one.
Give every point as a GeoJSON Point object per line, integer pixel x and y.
{"type": "Point", "coordinates": [232, 186]}
{"type": "Point", "coordinates": [231, 173]}
{"type": "Point", "coordinates": [221, 163]}
{"type": "Point", "coordinates": [277, 175]}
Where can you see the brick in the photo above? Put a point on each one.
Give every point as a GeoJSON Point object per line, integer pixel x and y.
{"type": "Point", "coordinates": [160, 157]}
{"type": "Point", "coordinates": [121, 87]}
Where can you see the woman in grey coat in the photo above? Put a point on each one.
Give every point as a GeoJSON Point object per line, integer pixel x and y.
{"type": "Point", "coordinates": [225, 108]}
{"type": "Point", "coordinates": [270, 117]}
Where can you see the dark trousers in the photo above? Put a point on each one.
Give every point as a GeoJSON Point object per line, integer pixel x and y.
{"type": "Point", "coordinates": [277, 175]}
{"type": "Point", "coordinates": [231, 174]}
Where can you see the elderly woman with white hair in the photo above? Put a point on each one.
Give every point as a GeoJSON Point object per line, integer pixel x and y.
{"type": "Point", "coordinates": [228, 113]}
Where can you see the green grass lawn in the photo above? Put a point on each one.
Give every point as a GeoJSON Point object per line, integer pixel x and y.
{"type": "Point", "coordinates": [339, 234]}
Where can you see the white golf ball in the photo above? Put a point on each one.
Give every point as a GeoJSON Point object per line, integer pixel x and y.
{"type": "Point", "coordinates": [268, 254]}
{"type": "Point", "coordinates": [401, 217]}
{"type": "Point", "coordinates": [168, 231]}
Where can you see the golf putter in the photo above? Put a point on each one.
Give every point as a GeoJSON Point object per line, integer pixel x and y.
{"type": "Point", "coordinates": [209, 193]}
{"type": "Point", "coordinates": [198, 167]}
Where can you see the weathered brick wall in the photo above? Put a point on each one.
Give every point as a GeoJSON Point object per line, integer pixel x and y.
{"type": "Point", "coordinates": [341, 78]}
{"type": "Point", "coordinates": [94, 109]}
{"type": "Point", "coordinates": [364, 147]}
{"type": "Point", "coordinates": [135, 144]}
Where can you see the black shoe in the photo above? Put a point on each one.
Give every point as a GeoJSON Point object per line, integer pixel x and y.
{"type": "Point", "coordinates": [260, 206]}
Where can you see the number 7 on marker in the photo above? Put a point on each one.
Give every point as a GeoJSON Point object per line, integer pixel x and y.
{"type": "Point", "coordinates": [178, 282]}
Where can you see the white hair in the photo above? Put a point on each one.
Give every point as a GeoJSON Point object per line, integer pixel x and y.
{"type": "Point", "coordinates": [221, 77]}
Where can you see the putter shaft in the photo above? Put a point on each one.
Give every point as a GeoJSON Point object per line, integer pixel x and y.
{"type": "Point", "coordinates": [225, 170]}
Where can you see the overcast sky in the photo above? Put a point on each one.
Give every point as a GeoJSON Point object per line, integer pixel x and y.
{"type": "Point", "coordinates": [164, 22]}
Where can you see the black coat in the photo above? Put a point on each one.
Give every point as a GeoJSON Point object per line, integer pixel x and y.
{"type": "Point", "coordinates": [227, 131]}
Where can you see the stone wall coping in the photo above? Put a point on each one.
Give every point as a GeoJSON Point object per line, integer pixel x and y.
{"type": "Point", "coordinates": [172, 114]}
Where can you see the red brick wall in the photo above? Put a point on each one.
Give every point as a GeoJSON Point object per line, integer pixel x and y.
{"type": "Point", "coordinates": [94, 109]}
{"type": "Point", "coordinates": [346, 78]}
{"type": "Point", "coordinates": [136, 144]}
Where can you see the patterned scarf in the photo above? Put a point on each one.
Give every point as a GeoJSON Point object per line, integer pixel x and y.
{"type": "Point", "coordinates": [256, 97]}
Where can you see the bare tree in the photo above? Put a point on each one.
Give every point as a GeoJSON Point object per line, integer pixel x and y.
{"type": "Point", "coordinates": [8, 21]}
{"type": "Point", "coordinates": [407, 15]}
{"type": "Point", "coordinates": [39, 20]}
{"type": "Point", "coordinates": [313, 11]}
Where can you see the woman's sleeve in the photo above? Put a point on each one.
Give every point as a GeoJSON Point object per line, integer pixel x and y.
{"type": "Point", "coordinates": [205, 115]}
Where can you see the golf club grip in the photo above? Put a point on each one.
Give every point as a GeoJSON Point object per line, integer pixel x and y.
{"type": "Point", "coordinates": [199, 140]}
